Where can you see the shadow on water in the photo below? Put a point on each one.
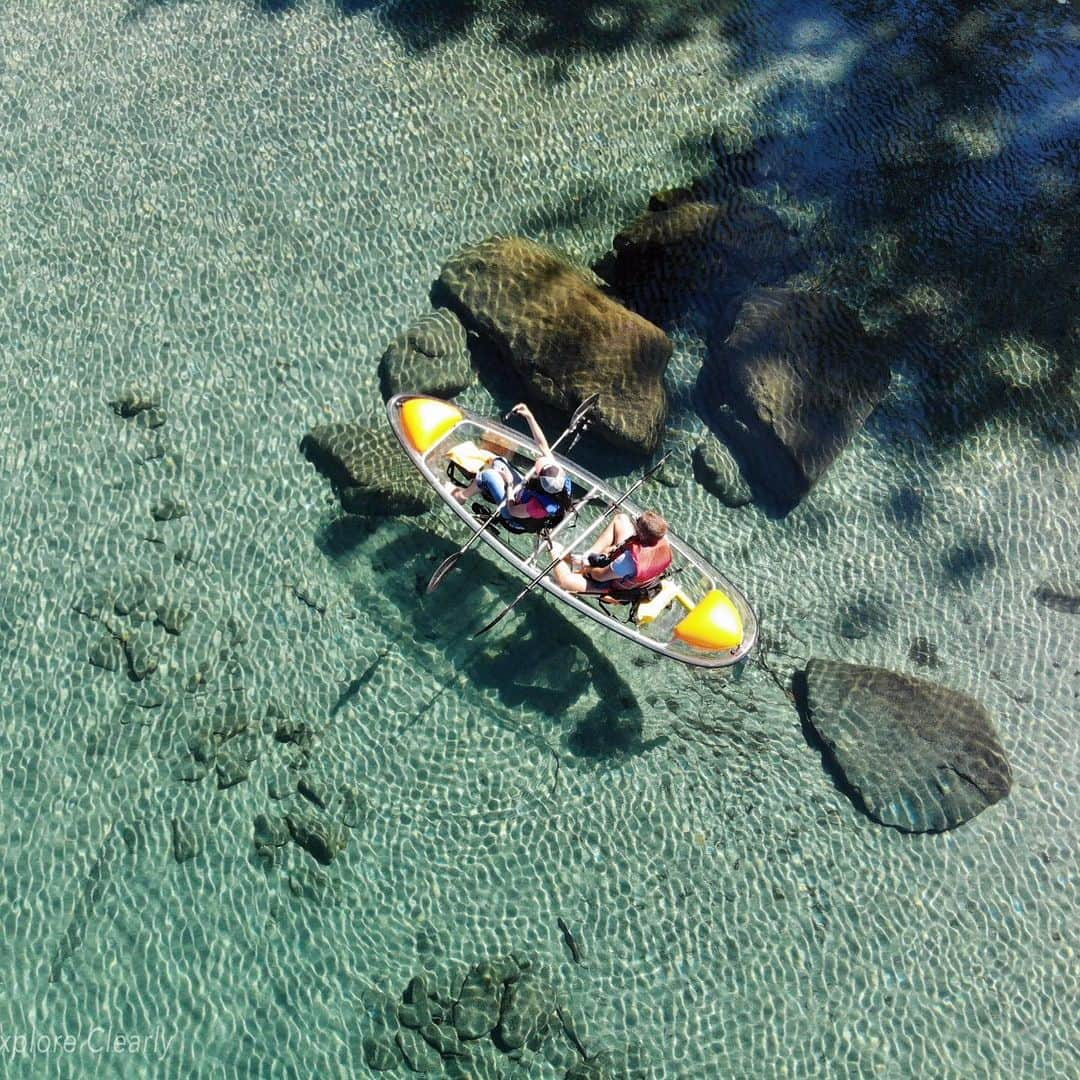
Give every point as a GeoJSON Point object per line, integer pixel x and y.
{"type": "Point", "coordinates": [801, 694]}
{"type": "Point", "coordinates": [938, 163]}
{"type": "Point", "coordinates": [559, 32]}
{"type": "Point", "coordinates": [536, 659]}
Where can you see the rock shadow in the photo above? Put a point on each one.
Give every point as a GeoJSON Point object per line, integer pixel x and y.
{"type": "Point", "coordinates": [801, 694]}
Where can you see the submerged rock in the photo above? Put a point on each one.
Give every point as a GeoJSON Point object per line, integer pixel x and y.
{"type": "Point", "coordinates": [600, 1067]}
{"type": "Point", "coordinates": [186, 841]}
{"type": "Point", "coordinates": [322, 838]}
{"type": "Point", "coordinates": [477, 1009]}
{"type": "Point", "coordinates": [107, 653]}
{"type": "Point", "coordinates": [419, 1055]}
{"type": "Point", "coordinates": [132, 402]}
{"type": "Point", "coordinates": [368, 469]}
{"type": "Point", "coordinates": [716, 470]}
{"type": "Point", "coordinates": [169, 510]}
{"type": "Point", "coordinates": [380, 1054]}
{"type": "Point", "coordinates": [431, 357]}
{"type": "Point", "coordinates": [1060, 596]}
{"type": "Point", "coordinates": [920, 757]}
{"type": "Point", "coordinates": [565, 337]}
{"type": "Point", "coordinates": [525, 1014]}
{"type": "Point", "coordinates": [690, 249]}
{"type": "Point", "coordinates": [801, 376]}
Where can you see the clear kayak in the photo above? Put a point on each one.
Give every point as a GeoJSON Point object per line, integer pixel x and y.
{"type": "Point", "coordinates": [697, 616]}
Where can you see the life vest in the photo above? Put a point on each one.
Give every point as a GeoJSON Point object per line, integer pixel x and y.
{"type": "Point", "coordinates": [649, 562]}
{"type": "Point", "coordinates": [554, 503]}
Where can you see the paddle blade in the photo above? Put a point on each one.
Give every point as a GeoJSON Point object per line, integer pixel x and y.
{"type": "Point", "coordinates": [583, 410]}
{"type": "Point", "coordinates": [443, 569]}
{"type": "Point", "coordinates": [498, 619]}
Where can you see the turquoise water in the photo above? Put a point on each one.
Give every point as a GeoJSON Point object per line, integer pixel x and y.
{"type": "Point", "coordinates": [235, 206]}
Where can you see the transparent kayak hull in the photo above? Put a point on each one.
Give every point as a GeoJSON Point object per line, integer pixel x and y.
{"type": "Point", "coordinates": [700, 618]}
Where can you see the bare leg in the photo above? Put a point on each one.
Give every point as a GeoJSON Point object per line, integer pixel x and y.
{"type": "Point", "coordinates": [566, 579]}
{"type": "Point", "coordinates": [620, 530]}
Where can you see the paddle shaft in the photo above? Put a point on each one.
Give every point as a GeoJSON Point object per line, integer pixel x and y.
{"type": "Point", "coordinates": [580, 414]}
{"type": "Point", "coordinates": [554, 562]}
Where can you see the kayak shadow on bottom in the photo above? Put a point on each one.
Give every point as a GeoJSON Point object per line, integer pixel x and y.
{"type": "Point", "coordinates": [538, 659]}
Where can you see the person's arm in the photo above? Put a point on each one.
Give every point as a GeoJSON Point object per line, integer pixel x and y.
{"type": "Point", "coordinates": [538, 435]}
{"type": "Point", "coordinates": [461, 494]}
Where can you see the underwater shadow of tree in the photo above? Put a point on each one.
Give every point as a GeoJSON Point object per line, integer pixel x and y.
{"type": "Point", "coordinates": [980, 242]}
{"type": "Point", "coordinates": [560, 31]}
{"type": "Point", "coordinates": [540, 661]}
{"type": "Point", "coordinates": [138, 8]}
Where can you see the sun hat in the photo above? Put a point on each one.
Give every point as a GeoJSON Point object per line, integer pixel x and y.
{"type": "Point", "coordinates": [552, 477]}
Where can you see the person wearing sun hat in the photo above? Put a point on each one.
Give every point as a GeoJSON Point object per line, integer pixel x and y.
{"type": "Point", "coordinates": [537, 500]}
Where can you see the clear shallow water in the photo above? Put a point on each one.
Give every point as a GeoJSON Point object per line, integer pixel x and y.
{"type": "Point", "coordinates": [238, 209]}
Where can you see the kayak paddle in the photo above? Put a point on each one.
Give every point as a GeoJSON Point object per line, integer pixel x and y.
{"type": "Point", "coordinates": [578, 420]}
{"type": "Point", "coordinates": [547, 569]}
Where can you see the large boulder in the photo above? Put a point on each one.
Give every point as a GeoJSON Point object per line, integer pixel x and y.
{"type": "Point", "coordinates": [368, 469]}
{"type": "Point", "coordinates": [430, 357]}
{"type": "Point", "coordinates": [801, 376]}
{"type": "Point", "coordinates": [564, 336]}
{"type": "Point", "coordinates": [920, 757]}
{"type": "Point", "coordinates": [689, 249]}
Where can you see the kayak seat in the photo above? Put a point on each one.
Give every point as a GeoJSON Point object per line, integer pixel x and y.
{"type": "Point", "coordinates": [465, 460]}
{"type": "Point", "coordinates": [650, 610]}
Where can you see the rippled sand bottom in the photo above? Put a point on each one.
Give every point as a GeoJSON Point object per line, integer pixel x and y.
{"type": "Point", "coordinates": [237, 209]}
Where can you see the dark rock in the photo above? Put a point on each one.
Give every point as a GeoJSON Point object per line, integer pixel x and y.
{"type": "Point", "coordinates": [418, 1055]}
{"type": "Point", "coordinates": [280, 784]}
{"type": "Point", "coordinates": [686, 251]}
{"type": "Point", "coordinates": [172, 618]}
{"type": "Point", "coordinates": [269, 833]}
{"type": "Point", "coordinates": [107, 653]}
{"type": "Point", "coordinates": [923, 652]}
{"type": "Point", "coordinates": [600, 1067]}
{"type": "Point", "coordinates": [718, 473]}
{"type": "Point", "coordinates": [94, 603]}
{"type": "Point", "coordinates": [203, 747]}
{"type": "Point", "coordinates": [565, 337]}
{"type": "Point", "coordinates": [131, 596]}
{"type": "Point", "coordinates": [380, 1053]}
{"type": "Point", "coordinates": [141, 656]}
{"type": "Point", "coordinates": [232, 769]}
{"type": "Point", "coordinates": [860, 616]}
{"type": "Point", "coordinates": [151, 419]}
{"type": "Point", "coordinates": [431, 357]}
{"type": "Point", "coordinates": [311, 884]}
{"type": "Point", "coordinates": [297, 732]}
{"type": "Point", "coordinates": [321, 838]}
{"type": "Point", "coordinates": [189, 771]}
{"type": "Point", "coordinates": [444, 1039]}
{"type": "Point", "coordinates": [801, 376]}
{"type": "Point", "coordinates": [415, 1010]}
{"type": "Point", "coordinates": [477, 1009]}
{"type": "Point", "coordinates": [354, 808]}
{"type": "Point", "coordinates": [315, 789]}
{"type": "Point", "coordinates": [131, 402]}
{"type": "Point", "coordinates": [1060, 596]}
{"type": "Point", "coordinates": [919, 757]}
{"type": "Point", "coordinates": [368, 470]}
{"type": "Point", "coordinates": [525, 1015]}
{"type": "Point", "coordinates": [168, 510]}
{"type": "Point", "coordinates": [230, 720]}
{"type": "Point", "coordinates": [186, 843]}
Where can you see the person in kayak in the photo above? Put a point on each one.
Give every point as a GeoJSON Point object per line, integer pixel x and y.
{"type": "Point", "coordinates": [527, 504]}
{"type": "Point", "coordinates": [628, 556]}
